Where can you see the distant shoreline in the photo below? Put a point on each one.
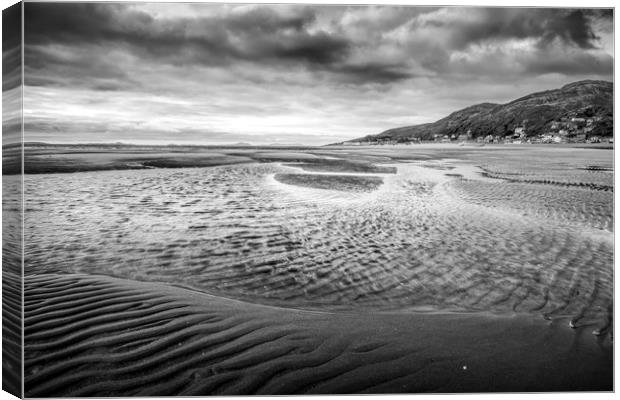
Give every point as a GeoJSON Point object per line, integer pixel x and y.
{"type": "Point", "coordinates": [40, 158]}
{"type": "Point", "coordinates": [180, 147]}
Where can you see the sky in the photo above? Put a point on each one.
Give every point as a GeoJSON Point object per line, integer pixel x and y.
{"type": "Point", "coordinates": [11, 75]}
{"type": "Point", "coordinates": [190, 73]}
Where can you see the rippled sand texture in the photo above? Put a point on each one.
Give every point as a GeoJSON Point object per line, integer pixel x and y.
{"type": "Point", "coordinates": [11, 285]}
{"type": "Point", "coordinates": [436, 236]}
{"type": "Point", "coordinates": [99, 336]}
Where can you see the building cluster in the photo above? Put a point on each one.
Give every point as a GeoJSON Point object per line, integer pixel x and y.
{"type": "Point", "coordinates": [566, 130]}
{"type": "Point", "coordinates": [384, 140]}
{"type": "Point", "coordinates": [570, 130]}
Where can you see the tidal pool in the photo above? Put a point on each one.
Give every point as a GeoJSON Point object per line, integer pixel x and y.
{"type": "Point", "coordinates": [438, 236]}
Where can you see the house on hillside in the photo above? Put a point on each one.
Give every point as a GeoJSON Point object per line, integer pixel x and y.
{"type": "Point", "coordinates": [520, 132]}
{"type": "Point", "coordinates": [559, 139]}
{"type": "Point", "coordinates": [386, 140]}
{"type": "Point", "coordinates": [580, 138]}
{"type": "Point", "coordinates": [546, 138]}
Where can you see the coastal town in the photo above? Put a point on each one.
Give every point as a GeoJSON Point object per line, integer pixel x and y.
{"type": "Point", "coordinates": [565, 130]}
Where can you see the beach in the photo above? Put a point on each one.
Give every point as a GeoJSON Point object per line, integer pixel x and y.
{"type": "Point", "coordinates": [100, 336]}
{"type": "Point", "coordinates": [388, 269]}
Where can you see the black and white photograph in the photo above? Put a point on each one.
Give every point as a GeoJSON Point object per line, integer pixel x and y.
{"type": "Point", "coordinates": [235, 199]}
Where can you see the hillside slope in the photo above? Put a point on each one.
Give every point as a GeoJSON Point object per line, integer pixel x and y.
{"type": "Point", "coordinates": [537, 113]}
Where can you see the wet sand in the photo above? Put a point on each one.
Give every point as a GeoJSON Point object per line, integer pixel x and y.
{"type": "Point", "coordinates": [39, 159]}
{"type": "Point", "coordinates": [351, 183]}
{"type": "Point", "coordinates": [12, 285]}
{"type": "Point", "coordinates": [372, 270]}
{"type": "Point", "coordinates": [100, 336]}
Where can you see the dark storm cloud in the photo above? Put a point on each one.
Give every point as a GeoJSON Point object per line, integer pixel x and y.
{"type": "Point", "coordinates": [89, 23]}
{"type": "Point", "coordinates": [91, 67]}
{"type": "Point", "coordinates": [11, 26]}
{"type": "Point", "coordinates": [374, 72]}
{"type": "Point", "coordinates": [261, 34]}
{"type": "Point", "coordinates": [11, 47]}
{"type": "Point", "coordinates": [320, 48]}
{"type": "Point", "coordinates": [83, 23]}
{"type": "Point", "coordinates": [261, 20]}
{"type": "Point", "coordinates": [268, 36]}
{"type": "Point", "coordinates": [487, 24]}
{"type": "Point", "coordinates": [571, 26]}
{"type": "Point", "coordinates": [457, 43]}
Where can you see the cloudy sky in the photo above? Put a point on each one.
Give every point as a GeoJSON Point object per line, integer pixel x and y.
{"type": "Point", "coordinates": [262, 74]}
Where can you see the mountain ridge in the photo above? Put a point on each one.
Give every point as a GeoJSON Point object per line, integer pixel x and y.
{"type": "Point", "coordinates": [535, 114]}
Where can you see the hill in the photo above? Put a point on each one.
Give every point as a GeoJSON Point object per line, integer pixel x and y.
{"type": "Point", "coordinates": [584, 107]}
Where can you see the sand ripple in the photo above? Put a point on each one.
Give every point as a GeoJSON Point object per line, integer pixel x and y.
{"type": "Point", "coordinates": [11, 285]}
{"type": "Point", "coordinates": [422, 240]}
{"type": "Point", "coordinates": [577, 206]}
{"type": "Point", "coordinates": [98, 336]}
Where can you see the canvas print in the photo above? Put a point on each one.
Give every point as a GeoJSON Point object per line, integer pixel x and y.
{"type": "Point", "coordinates": [206, 199]}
